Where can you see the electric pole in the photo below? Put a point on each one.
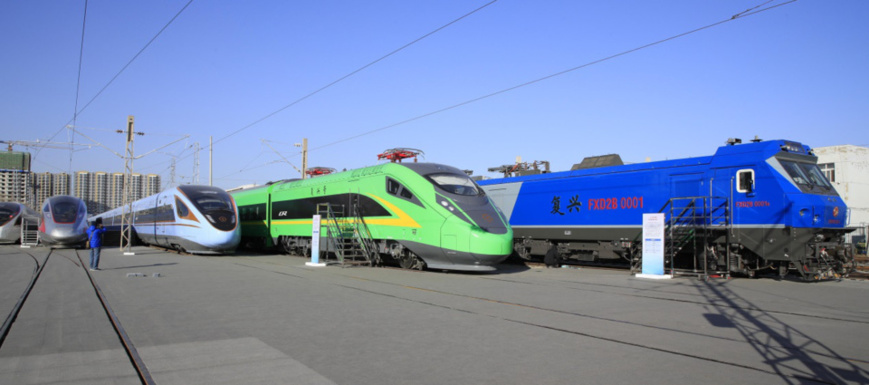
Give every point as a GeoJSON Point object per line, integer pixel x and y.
{"type": "Point", "coordinates": [195, 163]}
{"type": "Point", "coordinates": [304, 157]}
{"type": "Point", "coordinates": [127, 217]}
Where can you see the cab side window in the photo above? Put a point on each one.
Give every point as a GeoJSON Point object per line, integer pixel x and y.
{"type": "Point", "coordinates": [397, 189]}
{"type": "Point", "coordinates": [182, 209]}
{"type": "Point", "coordinates": [745, 181]}
{"type": "Point", "coordinates": [393, 187]}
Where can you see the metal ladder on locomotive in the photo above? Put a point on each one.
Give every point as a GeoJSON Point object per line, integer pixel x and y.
{"type": "Point", "coordinates": [694, 225]}
{"type": "Point", "coordinates": [348, 236]}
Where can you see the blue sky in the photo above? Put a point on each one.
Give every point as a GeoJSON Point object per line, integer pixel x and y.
{"type": "Point", "coordinates": [795, 72]}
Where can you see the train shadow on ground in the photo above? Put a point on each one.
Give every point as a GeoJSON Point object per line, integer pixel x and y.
{"type": "Point", "coordinates": [789, 352]}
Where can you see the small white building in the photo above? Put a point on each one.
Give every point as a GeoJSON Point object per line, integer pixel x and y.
{"type": "Point", "coordinates": [847, 167]}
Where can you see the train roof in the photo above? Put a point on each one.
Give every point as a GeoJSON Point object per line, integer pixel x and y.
{"type": "Point", "coordinates": [431, 168]}
{"type": "Point", "coordinates": [755, 149]}
{"type": "Point", "coordinates": [421, 168]}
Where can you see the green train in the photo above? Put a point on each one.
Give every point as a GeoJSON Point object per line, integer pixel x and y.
{"type": "Point", "coordinates": [420, 215]}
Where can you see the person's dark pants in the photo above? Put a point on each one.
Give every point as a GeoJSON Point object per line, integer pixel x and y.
{"type": "Point", "coordinates": [95, 257]}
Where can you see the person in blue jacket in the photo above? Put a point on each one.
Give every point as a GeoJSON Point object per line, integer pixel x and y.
{"type": "Point", "coordinates": [95, 237]}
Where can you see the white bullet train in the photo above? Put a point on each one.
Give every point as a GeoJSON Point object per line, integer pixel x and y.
{"type": "Point", "coordinates": [11, 215]}
{"type": "Point", "coordinates": [63, 222]}
{"type": "Point", "coordinates": [189, 218]}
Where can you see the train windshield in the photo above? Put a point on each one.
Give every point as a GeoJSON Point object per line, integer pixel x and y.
{"type": "Point", "coordinates": [7, 212]}
{"type": "Point", "coordinates": [806, 174]}
{"type": "Point", "coordinates": [208, 199]}
{"type": "Point", "coordinates": [64, 211]}
{"type": "Point", "coordinates": [456, 184]}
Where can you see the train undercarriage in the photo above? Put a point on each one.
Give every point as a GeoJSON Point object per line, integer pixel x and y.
{"type": "Point", "coordinates": [384, 252]}
{"type": "Point", "coordinates": [810, 254]}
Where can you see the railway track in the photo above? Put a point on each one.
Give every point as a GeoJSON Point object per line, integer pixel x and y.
{"type": "Point", "coordinates": [74, 256]}
{"type": "Point", "coordinates": [10, 318]}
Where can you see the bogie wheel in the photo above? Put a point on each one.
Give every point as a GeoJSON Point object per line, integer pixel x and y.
{"type": "Point", "coordinates": [285, 245]}
{"type": "Point", "coordinates": [410, 261]}
{"type": "Point", "coordinates": [521, 251]}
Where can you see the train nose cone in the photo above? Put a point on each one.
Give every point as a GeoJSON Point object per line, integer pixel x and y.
{"type": "Point", "coordinates": [491, 249]}
{"type": "Point", "coordinates": [65, 236]}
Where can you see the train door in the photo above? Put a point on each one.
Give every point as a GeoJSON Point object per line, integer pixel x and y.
{"type": "Point", "coordinates": [738, 186]}
{"type": "Point", "coordinates": [159, 227]}
{"type": "Point", "coordinates": [721, 190]}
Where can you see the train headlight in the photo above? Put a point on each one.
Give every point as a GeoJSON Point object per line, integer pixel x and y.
{"type": "Point", "coordinates": [816, 219]}
{"type": "Point", "coordinates": [448, 206]}
{"type": "Point", "coordinates": [803, 212]}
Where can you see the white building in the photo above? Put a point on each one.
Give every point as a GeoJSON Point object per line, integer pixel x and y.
{"type": "Point", "coordinates": [847, 167]}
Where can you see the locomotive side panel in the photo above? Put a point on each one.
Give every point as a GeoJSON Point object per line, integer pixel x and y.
{"type": "Point", "coordinates": [767, 203]}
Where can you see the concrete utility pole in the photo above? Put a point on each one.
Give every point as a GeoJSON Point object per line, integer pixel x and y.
{"type": "Point", "coordinates": [127, 217]}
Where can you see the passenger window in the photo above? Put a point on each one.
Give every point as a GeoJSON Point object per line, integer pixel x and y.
{"type": "Point", "coordinates": [745, 181]}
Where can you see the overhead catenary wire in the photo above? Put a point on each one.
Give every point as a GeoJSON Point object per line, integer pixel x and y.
{"type": "Point", "coordinates": [354, 72]}
{"type": "Point", "coordinates": [77, 112]}
{"type": "Point", "coordinates": [746, 13]}
{"type": "Point", "coordinates": [77, 85]}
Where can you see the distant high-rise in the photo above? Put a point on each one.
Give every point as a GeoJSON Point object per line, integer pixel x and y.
{"type": "Point", "coordinates": [116, 190]}
{"type": "Point", "coordinates": [136, 186]}
{"type": "Point", "coordinates": [60, 184]}
{"type": "Point", "coordinates": [98, 200]}
{"type": "Point", "coordinates": [82, 187]}
{"type": "Point", "coordinates": [16, 186]}
{"type": "Point", "coordinates": [44, 186]}
{"type": "Point", "coordinates": [14, 160]}
{"type": "Point", "coordinates": [104, 191]}
{"type": "Point", "coordinates": [152, 185]}
{"type": "Point", "coordinates": [16, 180]}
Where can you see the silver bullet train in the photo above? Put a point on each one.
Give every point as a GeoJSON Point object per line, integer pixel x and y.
{"type": "Point", "coordinates": [190, 218]}
{"type": "Point", "coordinates": [63, 222]}
{"type": "Point", "coordinates": [11, 215]}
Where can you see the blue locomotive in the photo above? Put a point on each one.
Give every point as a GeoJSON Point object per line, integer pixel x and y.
{"type": "Point", "coordinates": [749, 208]}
